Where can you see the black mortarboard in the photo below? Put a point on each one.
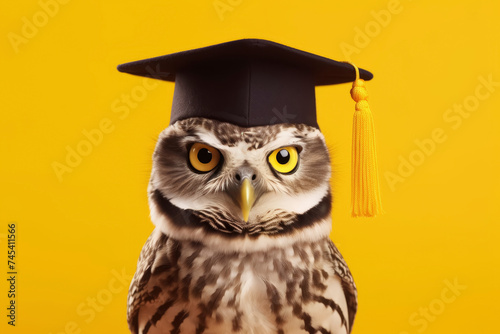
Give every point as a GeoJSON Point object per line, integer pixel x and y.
{"type": "Point", "coordinates": [248, 82]}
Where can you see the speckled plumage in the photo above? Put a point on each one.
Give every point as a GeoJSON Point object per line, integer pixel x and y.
{"type": "Point", "coordinates": [205, 270]}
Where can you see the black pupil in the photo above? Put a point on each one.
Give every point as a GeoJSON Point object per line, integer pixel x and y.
{"type": "Point", "coordinates": [283, 157]}
{"type": "Point", "coordinates": [204, 156]}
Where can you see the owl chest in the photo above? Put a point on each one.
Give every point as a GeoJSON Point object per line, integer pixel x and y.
{"type": "Point", "coordinates": [262, 292]}
{"type": "Point", "coordinates": [241, 293]}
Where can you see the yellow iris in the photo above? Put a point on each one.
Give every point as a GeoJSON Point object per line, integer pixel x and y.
{"type": "Point", "coordinates": [284, 159]}
{"type": "Point", "coordinates": [203, 158]}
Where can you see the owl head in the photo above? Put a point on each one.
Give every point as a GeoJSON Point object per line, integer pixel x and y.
{"type": "Point", "coordinates": [217, 181]}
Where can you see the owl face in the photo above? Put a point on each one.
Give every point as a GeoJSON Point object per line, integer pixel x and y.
{"type": "Point", "coordinates": [220, 180]}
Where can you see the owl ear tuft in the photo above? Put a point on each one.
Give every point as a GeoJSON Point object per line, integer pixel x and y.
{"type": "Point", "coordinates": [365, 186]}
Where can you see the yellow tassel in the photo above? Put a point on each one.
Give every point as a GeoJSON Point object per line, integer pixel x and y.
{"type": "Point", "coordinates": [365, 187]}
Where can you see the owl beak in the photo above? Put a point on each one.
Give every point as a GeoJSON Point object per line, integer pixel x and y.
{"type": "Point", "coordinates": [247, 198]}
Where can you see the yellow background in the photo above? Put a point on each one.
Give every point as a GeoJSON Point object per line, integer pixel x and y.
{"type": "Point", "coordinates": [76, 234]}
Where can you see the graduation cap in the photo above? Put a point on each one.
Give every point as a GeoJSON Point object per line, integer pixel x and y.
{"type": "Point", "coordinates": [253, 82]}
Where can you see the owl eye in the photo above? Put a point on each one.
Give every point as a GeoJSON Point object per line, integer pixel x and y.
{"type": "Point", "coordinates": [284, 160]}
{"type": "Point", "coordinates": [203, 158]}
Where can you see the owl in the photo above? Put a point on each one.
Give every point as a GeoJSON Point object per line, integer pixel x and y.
{"type": "Point", "coordinates": [241, 243]}
{"type": "Point", "coordinates": [240, 198]}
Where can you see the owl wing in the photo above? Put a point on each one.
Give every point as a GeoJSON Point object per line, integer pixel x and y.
{"type": "Point", "coordinates": [350, 292]}
{"type": "Point", "coordinates": [139, 293]}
